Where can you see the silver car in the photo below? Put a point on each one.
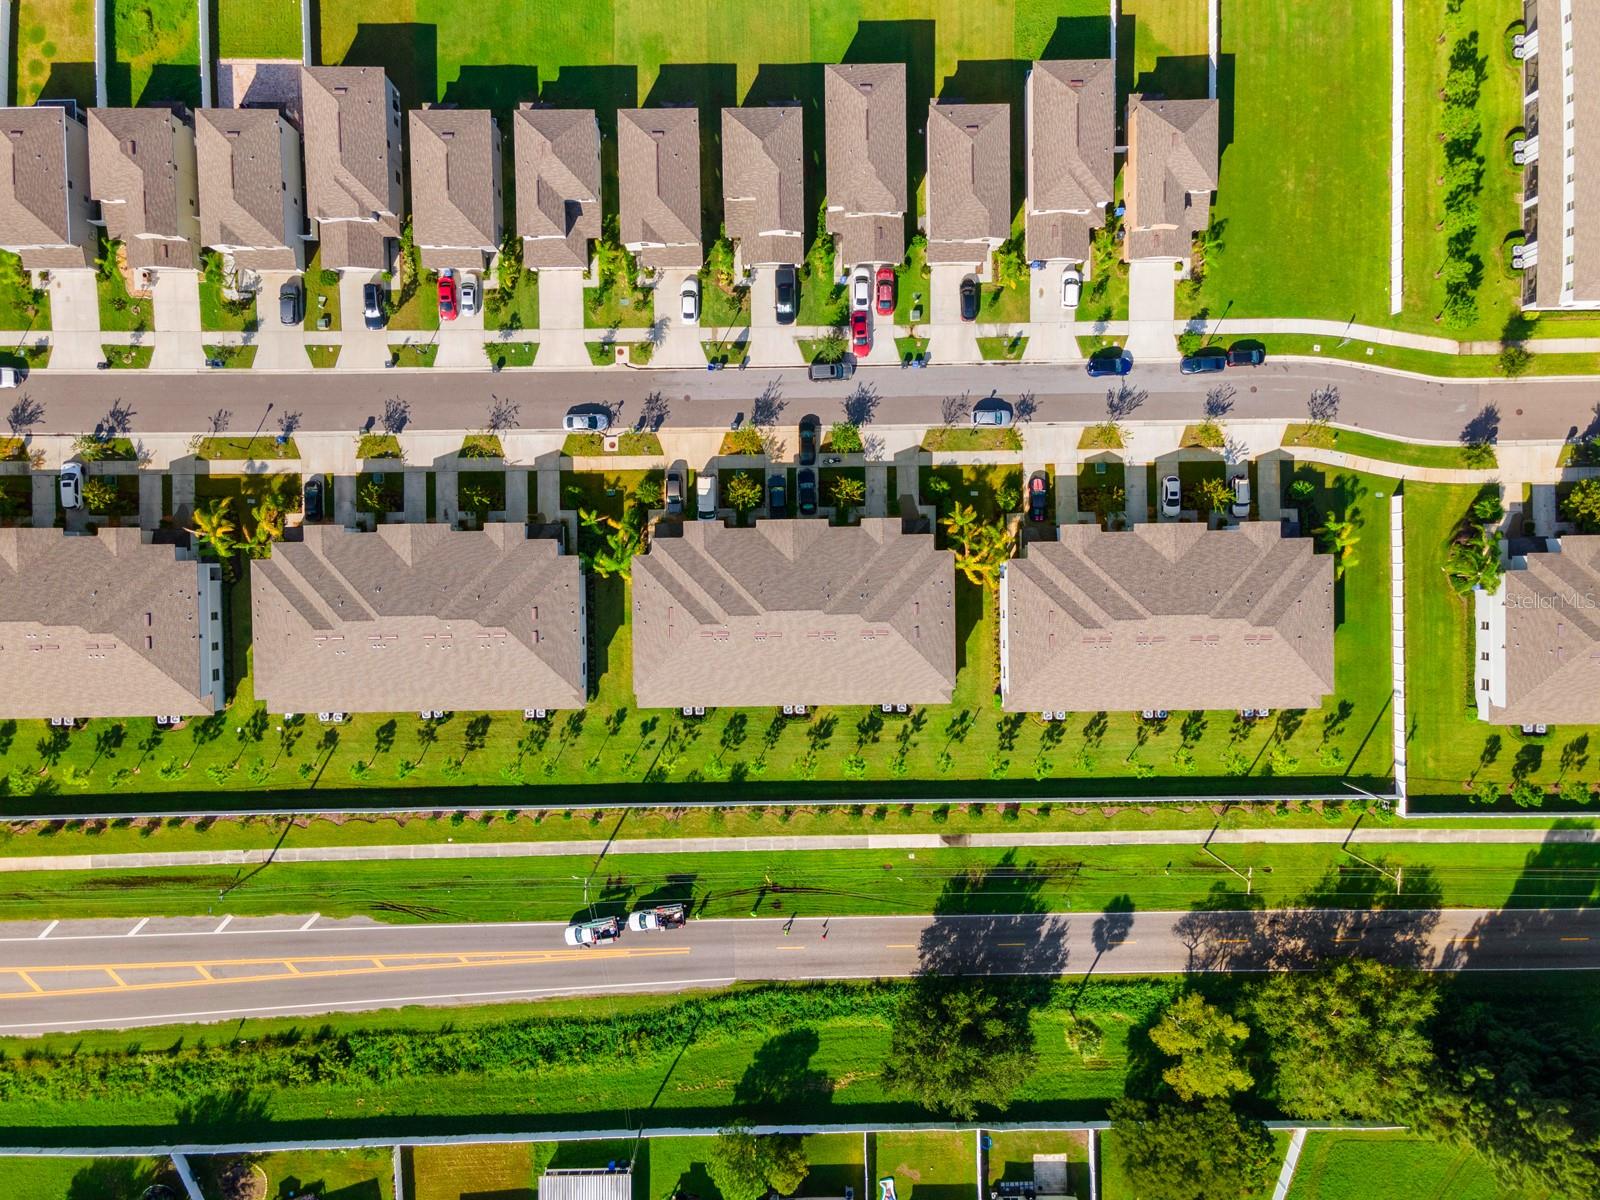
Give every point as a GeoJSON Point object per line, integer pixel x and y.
{"type": "Point", "coordinates": [1171, 496]}
{"type": "Point", "coordinates": [586, 422]}
{"type": "Point", "coordinates": [71, 481]}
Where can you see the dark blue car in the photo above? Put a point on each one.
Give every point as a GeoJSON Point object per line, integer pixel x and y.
{"type": "Point", "coordinates": [1118, 363]}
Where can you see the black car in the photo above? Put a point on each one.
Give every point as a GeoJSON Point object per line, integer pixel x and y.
{"type": "Point", "coordinates": [807, 480]}
{"type": "Point", "coordinates": [828, 372]}
{"type": "Point", "coordinates": [1204, 363]}
{"type": "Point", "coordinates": [372, 305]}
{"type": "Point", "coordinates": [1246, 356]}
{"type": "Point", "coordinates": [1038, 498]}
{"type": "Point", "coordinates": [785, 295]}
{"type": "Point", "coordinates": [674, 494]}
{"type": "Point", "coordinates": [777, 496]}
{"type": "Point", "coordinates": [969, 298]}
{"type": "Point", "coordinates": [313, 507]}
{"type": "Point", "coordinates": [289, 310]}
{"type": "Point", "coordinates": [810, 426]}
{"type": "Point", "coordinates": [1116, 363]}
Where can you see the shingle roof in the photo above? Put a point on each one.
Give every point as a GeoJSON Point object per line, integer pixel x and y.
{"type": "Point", "coordinates": [417, 617]}
{"type": "Point", "coordinates": [1569, 143]}
{"type": "Point", "coordinates": [1168, 616]}
{"type": "Point", "coordinates": [1552, 637]}
{"type": "Point", "coordinates": [99, 626]}
{"type": "Point", "coordinates": [969, 180]}
{"type": "Point", "coordinates": [455, 200]}
{"type": "Point", "coordinates": [1172, 169]}
{"type": "Point", "coordinates": [658, 168]}
{"type": "Point", "coordinates": [350, 173]}
{"type": "Point", "coordinates": [1071, 167]}
{"type": "Point", "coordinates": [763, 183]}
{"type": "Point", "coordinates": [240, 155]}
{"type": "Point", "coordinates": [135, 160]}
{"type": "Point", "coordinates": [794, 612]}
{"type": "Point", "coordinates": [34, 199]}
{"type": "Point", "coordinates": [866, 150]}
{"type": "Point", "coordinates": [558, 185]}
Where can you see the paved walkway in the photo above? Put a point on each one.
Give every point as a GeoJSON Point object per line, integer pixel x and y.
{"type": "Point", "coordinates": [1378, 835]}
{"type": "Point", "coordinates": [1297, 1140]}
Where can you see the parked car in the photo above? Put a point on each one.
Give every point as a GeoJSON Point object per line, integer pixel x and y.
{"type": "Point", "coordinates": [469, 295]}
{"type": "Point", "coordinates": [71, 485]}
{"type": "Point", "coordinates": [1204, 363]}
{"type": "Point", "coordinates": [778, 496]}
{"type": "Point", "coordinates": [1171, 496]}
{"type": "Point", "coordinates": [827, 372]}
{"type": "Point", "coordinates": [313, 498]}
{"type": "Point", "coordinates": [1038, 498]}
{"type": "Point", "coordinates": [1071, 287]}
{"type": "Point", "coordinates": [860, 332]}
{"type": "Point", "coordinates": [586, 420]}
{"type": "Point", "coordinates": [289, 310]}
{"type": "Point", "coordinates": [594, 933]}
{"type": "Point", "coordinates": [885, 291]}
{"type": "Point", "coordinates": [1246, 356]}
{"type": "Point", "coordinates": [806, 486]}
{"type": "Point", "coordinates": [372, 305]}
{"type": "Point", "coordinates": [449, 301]}
{"type": "Point", "coordinates": [689, 301]}
{"type": "Point", "coordinates": [992, 411]}
{"type": "Point", "coordinates": [11, 376]}
{"type": "Point", "coordinates": [809, 428]}
{"type": "Point", "coordinates": [662, 916]}
{"type": "Point", "coordinates": [705, 495]}
{"type": "Point", "coordinates": [1109, 363]}
{"type": "Point", "coordinates": [861, 290]}
{"type": "Point", "coordinates": [784, 286]}
{"type": "Point", "coordinates": [674, 494]}
{"type": "Point", "coordinates": [1241, 497]}
{"type": "Point", "coordinates": [969, 298]}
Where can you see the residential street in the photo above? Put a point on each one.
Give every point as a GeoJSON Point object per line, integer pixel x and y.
{"type": "Point", "coordinates": [1402, 406]}
{"type": "Point", "coordinates": [88, 974]}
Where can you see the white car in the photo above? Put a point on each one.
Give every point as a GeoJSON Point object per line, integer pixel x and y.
{"type": "Point", "coordinates": [8, 377]}
{"type": "Point", "coordinates": [705, 495]}
{"type": "Point", "coordinates": [469, 294]}
{"type": "Point", "coordinates": [861, 290]}
{"type": "Point", "coordinates": [1241, 497]}
{"type": "Point", "coordinates": [72, 485]}
{"type": "Point", "coordinates": [593, 933]}
{"type": "Point", "coordinates": [586, 421]}
{"type": "Point", "coordinates": [1171, 497]}
{"type": "Point", "coordinates": [689, 299]}
{"type": "Point", "coordinates": [1071, 287]}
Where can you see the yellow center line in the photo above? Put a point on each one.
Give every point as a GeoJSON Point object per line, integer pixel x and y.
{"type": "Point", "coordinates": [293, 970]}
{"type": "Point", "coordinates": [1574, 939]}
{"type": "Point", "coordinates": [901, 946]}
{"type": "Point", "coordinates": [449, 956]}
{"type": "Point", "coordinates": [796, 949]}
{"type": "Point", "coordinates": [115, 978]}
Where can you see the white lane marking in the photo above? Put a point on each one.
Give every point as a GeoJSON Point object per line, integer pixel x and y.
{"type": "Point", "coordinates": [225, 923]}
{"type": "Point", "coordinates": [44, 933]}
{"type": "Point", "coordinates": [310, 921]}
{"type": "Point", "coordinates": [143, 921]}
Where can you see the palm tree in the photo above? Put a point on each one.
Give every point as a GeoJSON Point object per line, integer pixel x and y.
{"type": "Point", "coordinates": [214, 526]}
{"type": "Point", "coordinates": [1342, 537]}
{"type": "Point", "coordinates": [594, 520]}
{"type": "Point", "coordinates": [960, 522]}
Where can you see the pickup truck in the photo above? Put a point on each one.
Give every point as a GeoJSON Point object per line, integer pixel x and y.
{"type": "Point", "coordinates": [663, 916]}
{"type": "Point", "coordinates": [594, 933]}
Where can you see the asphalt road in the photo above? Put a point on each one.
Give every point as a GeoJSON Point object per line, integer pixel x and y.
{"type": "Point", "coordinates": [451, 400]}
{"type": "Point", "coordinates": [89, 974]}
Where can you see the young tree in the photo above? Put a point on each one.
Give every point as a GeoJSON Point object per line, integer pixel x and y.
{"type": "Point", "coordinates": [831, 346]}
{"type": "Point", "coordinates": [1215, 494]}
{"type": "Point", "coordinates": [848, 491]}
{"type": "Point", "coordinates": [1582, 505]}
{"type": "Point", "coordinates": [747, 1167]}
{"type": "Point", "coordinates": [1172, 1152]}
{"type": "Point", "coordinates": [99, 494]}
{"type": "Point", "coordinates": [844, 438]}
{"type": "Point", "coordinates": [742, 492]}
{"type": "Point", "coordinates": [1206, 1042]}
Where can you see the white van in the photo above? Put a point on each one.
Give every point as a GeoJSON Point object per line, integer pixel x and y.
{"type": "Point", "coordinates": [705, 491]}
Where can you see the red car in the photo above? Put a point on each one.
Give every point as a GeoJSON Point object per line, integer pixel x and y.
{"type": "Point", "coordinates": [886, 291]}
{"type": "Point", "coordinates": [447, 296]}
{"type": "Point", "coordinates": [860, 332]}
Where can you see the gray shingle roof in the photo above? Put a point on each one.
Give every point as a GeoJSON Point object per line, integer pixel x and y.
{"type": "Point", "coordinates": [36, 204]}
{"type": "Point", "coordinates": [763, 182]}
{"type": "Point", "coordinates": [1172, 169]}
{"type": "Point", "coordinates": [352, 152]}
{"type": "Point", "coordinates": [242, 185]}
{"type": "Point", "coordinates": [969, 180]}
{"type": "Point", "coordinates": [658, 168]}
{"type": "Point", "coordinates": [142, 170]}
{"type": "Point", "coordinates": [1552, 637]}
{"type": "Point", "coordinates": [558, 185]}
{"type": "Point", "coordinates": [794, 612]}
{"type": "Point", "coordinates": [455, 186]}
{"type": "Point", "coordinates": [99, 626]}
{"type": "Point", "coordinates": [1071, 167]}
{"type": "Point", "coordinates": [417, 617]}
{"type": "Point", "coordinates": [1568, 149]}
{"type": "Point", "coordinates": [865, 110]}
{"type": "Point", "coordinates": [1171, 616]}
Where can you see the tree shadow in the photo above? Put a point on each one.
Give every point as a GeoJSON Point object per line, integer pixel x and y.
{"type": "Point", "coordinates": [221, 1116]}
{"type": "Point", "coordinates": [910, 42]}
{"type": "Point", "coordinates": [108, 1177]}
{"type": "Point", "coordinates": [780, 1076]}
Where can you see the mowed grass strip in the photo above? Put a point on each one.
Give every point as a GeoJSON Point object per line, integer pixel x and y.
{"type": "Point", "coordinates": [1393, 1166]}
{"type": "Point", "coordinates": [502, 1170]}
{"type": "Point", "coordinates": [935, 1165]}
{"type": "Point", "coordinates": [250, 29]}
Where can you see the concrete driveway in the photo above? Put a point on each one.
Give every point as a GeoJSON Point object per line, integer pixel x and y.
{"type": "Point", "coordinates": [1050, 338]}
{"type": "Point", "coordinates": [178, 340]}
{"type": "Point", "coordinates": [74, 320]}
{"type": "Point", "coordinates": [364, 349]}
{"type": "Point", "coordinates": [279, 347]}
{"type": "Point", "coordinates": [950, 339]}
{"type": "Point", "coordinates": [561, 332]}
{"type": "Point", "coordinates": [680, 343]}
{"type": "Point", "coordinates": [1152, 302]}
{"type": "Point", "coordinates": [771, 344]}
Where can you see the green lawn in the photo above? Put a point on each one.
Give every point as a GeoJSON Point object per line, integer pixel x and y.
{"type": "Point", "coordinates": [1115, 1185]}
{"type": "Point", "coordinates": [1427, 362]}
{"type": "Point", "coordinates": [323, 357]}
{"type": "Point", "coordinates": [54, 51]}
{"type": "Point", "coordinates": [21, 306]}
{"type": "Point", "coordinates": [511, 354]}
{"type": "Point", "coordinates": [1002, 349]}
{"type": "Point", "coordinates": [249, 29]}
{"type": "Point", "coordinates": [1322, 68]}
{"type": "Point", "coordinates": [360, 1174]}
{"type": "Point", "coordinates": [411, 354]}
{"type": "Point", "coordinates": [1405, 454]}
{"type": "Point", "coordinates": [1450, 748]}
{"type": "Point", "coordinates": [933, 1165]}
{"type": "Point", "coordinates": [88, 1178]}
{"type": "Point", "coordinates": [217, 313]}
{"type": "Point", "coordinates": [508, 1171]}
{"type": "Point", "coordinates": [120, 311]}
{"type": "Point", "coordinates": [153, 48]}
{"type": "Point", "coordinates": [729, 310]}
{"type": "Point", "coordinates": [620, 308]}
{"type": "Point", "coordinates": [1393, 1166]}
{"type": "Point", "coordinates": [263, 445]}
{"type": "Point", "coordinates": [518, 310]}
{"type": "Point", "coordinates": [133, 358]}
{"type": "Point", "coordinates": [235, 358]}
{"type": "Point", "coordinates": [1161, 48]}
{"type": "Point", "coordinates": [321, 299]}
{"type": "Point", "coordinates": [964, 438]}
